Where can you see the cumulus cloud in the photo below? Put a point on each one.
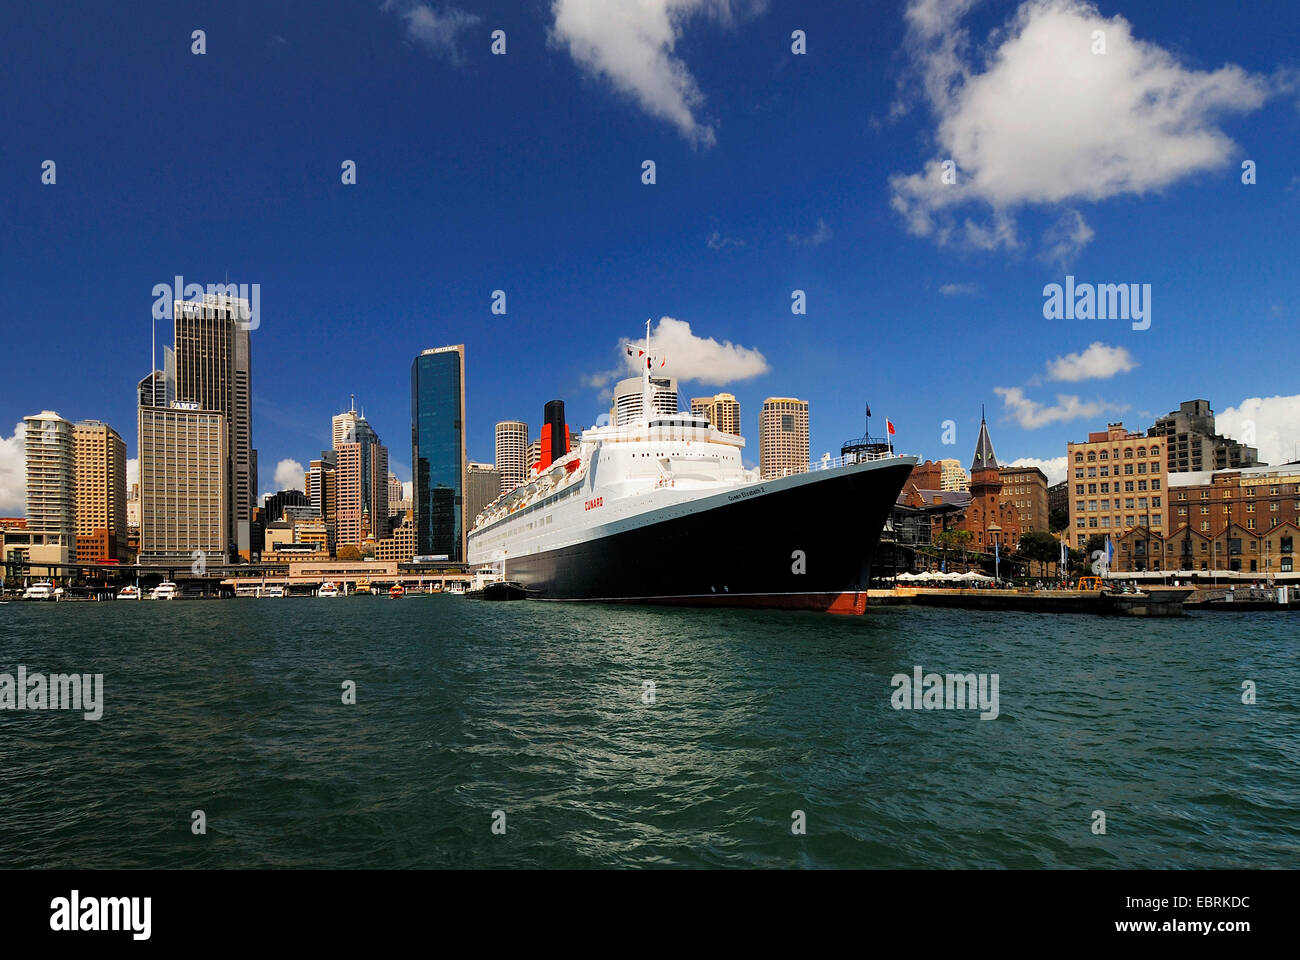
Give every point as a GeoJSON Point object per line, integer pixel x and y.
{"type": "Point", "coordinates": [820, 234]}
{"type": "Point", "coordinates": [1098, 362]}
{"type": "Point", "coordinates": [1031, 414]}
{"type": "Point", "coordinates": [1054, 468]}
{"type": "Point", "coordinates": [686, 356]}
{"type": "Point", "coordinates": [958, 289]}
{"type": "Point", "coordinates": [717, 241]}
{"type": "Point", "coordinates": [13, 473]}
{"type": "Point", "coordinates": [1271, 424]}
{"type": "Point", "coordinates": [438, 31]}
{"type": "Point", "coordinates": [1044, 120]}
{"type": "Point", "coordinates": [290, 475]}
{"type": "Point", "coordinates": [632, 45]}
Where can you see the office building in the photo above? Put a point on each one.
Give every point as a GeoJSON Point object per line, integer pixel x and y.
{"type": "Point", "coordinates": [721, 409]}
{"type": "Point", "coordinates": [184, 482]}
{"type": "Point", "coordinates": [783, 437]}
{"type": "Point", "coordinates": [101, 494]}
{"type": "Point", "coordinates": [213, 373]}
{"type": "Point", "coordinates": [1025, 488]}
{"type": "Point", "coordinates": [512, 450]}
{"type": "Point", "coordinates": [438, 458]}
{"type": "Point", "coordinates": [1117, 482]}
{"type": "Point", "coordinates": [953, 475]}
{"type": "Point", "coordinates": [400, 546]}
{"type": "Point", "coordinates": [1191, 444]}
{"type": "Point", "coordinates": [51, 484]}
{"type": "Point", "coordinates": [482, 486]}
{"type": "Point", "coordinates": [628, 398]}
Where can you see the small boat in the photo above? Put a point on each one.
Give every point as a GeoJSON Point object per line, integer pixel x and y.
{"type": "Point", "coordinates": [363, 585]}
{"type": "Point", "coordinates": [129, 592]}
{"type": "Point", "coordinates": [396, 591]}
{"type": "Point", "coordinates": [43, 590]}
{"type": "Point", "coordinates": [165, 591]}
{"type": "Point", "coordinates": [274, 593]}
{"type": "Point", "coordinates": [505, 590]}
{"type": "Point", "coordinates": [328, 589]}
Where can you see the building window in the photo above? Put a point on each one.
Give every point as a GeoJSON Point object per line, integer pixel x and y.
{"type": "Point", "coordinates": [1155, 451]}
{"type": "Point", "coordinates": [1155, 484]}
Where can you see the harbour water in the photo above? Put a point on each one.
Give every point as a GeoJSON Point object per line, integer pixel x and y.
{"type": "Point", "coordinates": [540, 711]}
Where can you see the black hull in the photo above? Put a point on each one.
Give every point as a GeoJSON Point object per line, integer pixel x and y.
{"type": "Point", "coordinates": [741, 554]}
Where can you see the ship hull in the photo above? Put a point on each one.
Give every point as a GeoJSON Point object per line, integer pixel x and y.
{"type": "Point", "coordinates": [805, 542]}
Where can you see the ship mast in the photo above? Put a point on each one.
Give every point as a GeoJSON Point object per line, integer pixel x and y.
{"type": "Point", "coordinates": [645, 375]}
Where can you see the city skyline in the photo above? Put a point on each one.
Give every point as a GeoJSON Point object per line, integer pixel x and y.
{"type": "Point", "coordinates": [923, 307]}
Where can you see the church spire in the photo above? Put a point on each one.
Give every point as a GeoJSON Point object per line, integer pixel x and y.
{"type": "Point", "coordinates": [985, 459]}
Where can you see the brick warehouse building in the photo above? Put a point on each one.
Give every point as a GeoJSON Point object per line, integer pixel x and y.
{"type": "Point", "coordinates": [990, 518]}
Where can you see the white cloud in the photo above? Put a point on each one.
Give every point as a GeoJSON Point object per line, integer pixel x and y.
{"type": "Point", "coordinates": [1054, 468]}
{"type": "Point", "coordinates": [717, 241]}
{"type": "Point", "coordinates": [436, 31]}
{"type": "Point", "coordinates": [408, 488]}
{"type": "Point", "coordinates": [1031, 414]}
{"type": "Point", "coordinates": [1272, 422]}
{"type": "Point", "coordinates": [820, 235]}
{"type": "Point", "coordinates": [690, 357]}
{"type": "Point", "coordinates": [1065, 239]}
{"type": "Point", "coordinates": [13, 473]}
{"type": "Point", "coordinates": [1098, 362]}
{"type": "Point", "coordinates": [958, 289]}
{"type": "Point", "coordinates": [1044, 120]}
{"type": "Point", "coordinates": [132, 471]}
{"type": "Point", "coordinates": [632, 46]}
{"type": "Point", "coordinates": [290, 475]}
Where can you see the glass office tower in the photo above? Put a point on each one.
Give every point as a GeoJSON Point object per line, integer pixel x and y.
{"type": "Point", "coordinates": [438, 451]}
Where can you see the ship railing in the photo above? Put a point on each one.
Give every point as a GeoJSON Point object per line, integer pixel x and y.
{"type": "Point", "coordinates": [832, 463]}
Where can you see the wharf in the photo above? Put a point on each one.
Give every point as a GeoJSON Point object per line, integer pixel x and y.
{"type": "Point", "coordinates": [1155, 602]}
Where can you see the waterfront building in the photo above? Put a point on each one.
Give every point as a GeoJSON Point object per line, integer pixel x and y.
{"type": "Point", "coordinates": [296, 540]}
{"type": "Point", "coordinates": [1026, 489]}
{"type": "Point", "coordinates": [214, 373]}
{"type": "Point", "coordinates": [953, 475]}
{"type": "Point", "coordinates": [321, 481]}
{"type": "Point", "coordinates": [1191, 444]}
{"type": "Point", "coordinates": [512, 453]}
{"type": "Point", "coordinates": [399, 547]}
{"type": "Point", "coordinates": [184, 482]}
{"type": "Point", "coordinates": [628, 399]}
{"type": "Point", "coordinates": [991, 517]}
{"type": "Point", "coordinates": [783, 437]}
{"type": "Point", "coordinates": [1117, 479]}
{"type": "Point", "coordinates": [101, 496]}
{"type": "Point", "coordinates": [721, 409]}
{"type": "Point", "coordinates": [1241, 514]}
{"type": "Point", "coordinates": [482, 486]}
{"type": "Point", "coordinates": [438, 457]}
{"type": "Point", "coordinates": [51, 484]}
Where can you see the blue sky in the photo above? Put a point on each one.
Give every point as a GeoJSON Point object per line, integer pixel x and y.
{"type": "Point", "coordinates": [775, 172]}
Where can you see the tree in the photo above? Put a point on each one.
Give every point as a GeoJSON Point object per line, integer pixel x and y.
{"type": "Point", "coordinates": [957, 541]}
{"type": "Point", "coordinates": [348, 552]}
{"type": "Point", "coordinates": [1040, 546]}
{"type": "Point", "coordinates": [1058, 520]}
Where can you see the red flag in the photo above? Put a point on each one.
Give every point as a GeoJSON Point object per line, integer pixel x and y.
{"type": "Point", "coordinates": [889, 427]}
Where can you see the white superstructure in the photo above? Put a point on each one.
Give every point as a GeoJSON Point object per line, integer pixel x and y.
{"type": "Point", "coordinates": [643, 470]}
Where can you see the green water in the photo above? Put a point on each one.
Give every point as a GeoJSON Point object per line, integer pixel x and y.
{"type": "Point", "coordinates": [464, 708]}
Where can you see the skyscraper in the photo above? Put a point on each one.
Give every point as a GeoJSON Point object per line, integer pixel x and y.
{"type": "Point", "coordinates": [51, 478]}
{"type": "Point", "coordinates": [722, 409]}
{"type": "Point", "coordinates": [213, 370]}
{"type": "Point", "coordinates": [100, 485]}
{"type": "Point", "coordinates": [184, 481]}
{"type": "Point", "coordinates": [783, 437]}
{"type": "Point", "coordinates": [158, 389]}
{"type": "Point", "coordinates": [512, 453]}
{"type": "Point", "coordinates": [361, 479]}
{"type": "Point", "coordinates": [438, 451]}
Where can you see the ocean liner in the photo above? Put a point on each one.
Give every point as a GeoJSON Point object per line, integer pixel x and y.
{"type": "Point", "coordinates": [656, 507]}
